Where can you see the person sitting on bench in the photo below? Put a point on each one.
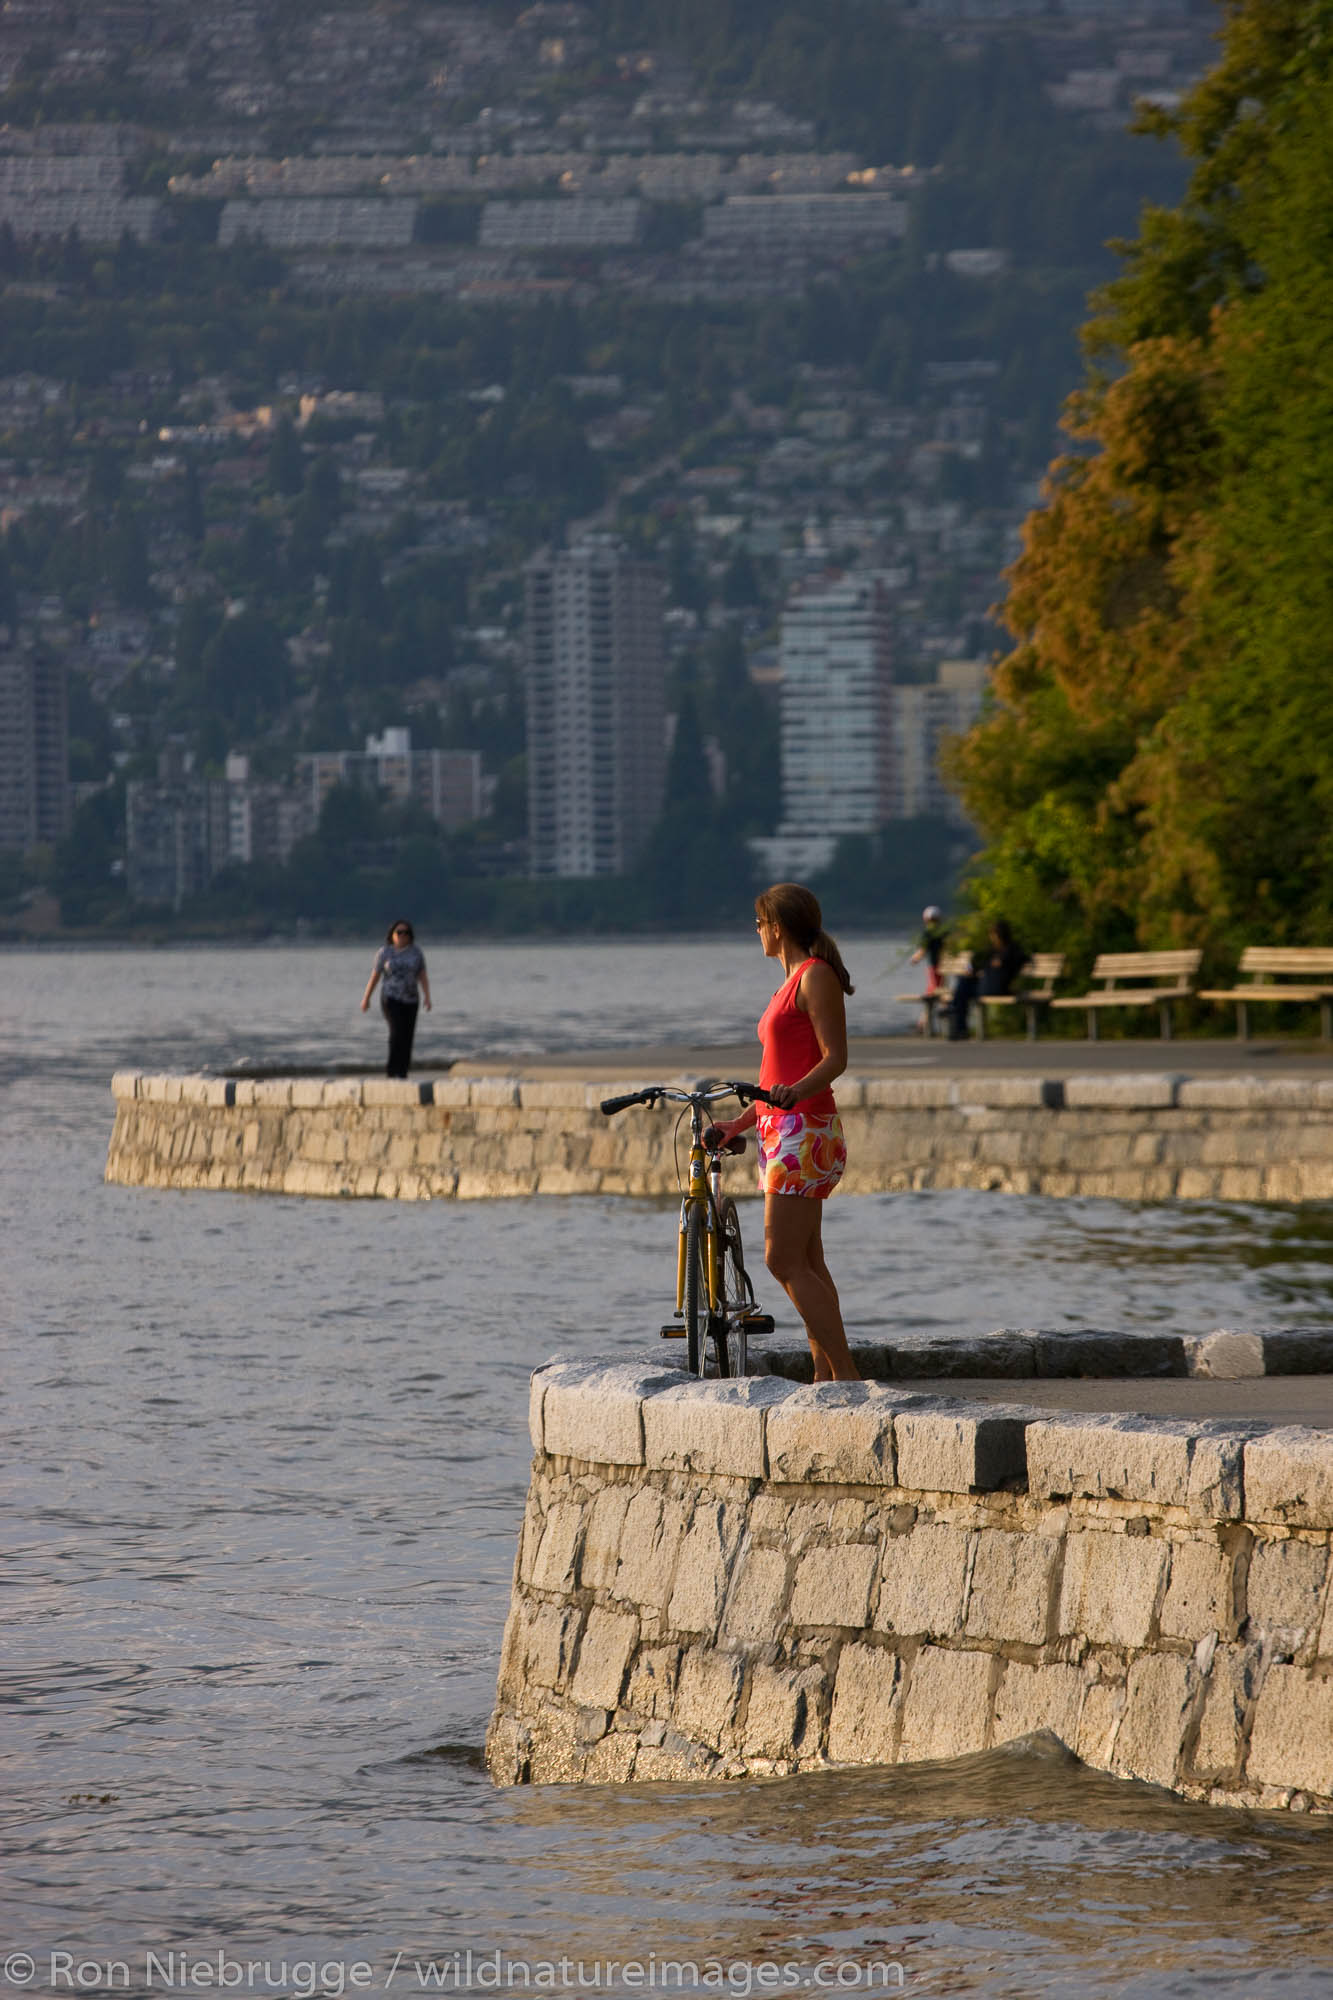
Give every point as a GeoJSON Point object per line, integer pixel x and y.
{"type": "Point", "coordinates": [994, 970]}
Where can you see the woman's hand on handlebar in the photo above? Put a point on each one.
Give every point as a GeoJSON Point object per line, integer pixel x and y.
{"type": "Point", "coordinates": [783, 1095]}
{"type": "Point", "coordinates": [735, 1126]}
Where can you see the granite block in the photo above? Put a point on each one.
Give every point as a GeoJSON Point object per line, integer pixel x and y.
{"type": "Point", "coordinates": [833, 1431]}
{"type": "Point", "coordinates": [1289, 1477]}
{"type": "Point", "coordinates": [955, 1447]}
{"type": "Point", "coordinates": [710, 1427]}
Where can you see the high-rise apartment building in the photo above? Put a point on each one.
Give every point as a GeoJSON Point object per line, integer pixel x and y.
{"type": "Point", "coordinates": [596, 707]}
{"type": "Point", "coordinates": [835, 658]}
{"type": "Point", "coordinates": [923, 717]}
{"type": "Point", "coordinates": [34, 750]}
{"type": "Point", "coordinates": [176, 833]}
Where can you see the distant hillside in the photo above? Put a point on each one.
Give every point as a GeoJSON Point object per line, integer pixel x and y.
{"type": "Point", "coordinates": [1016, 173]}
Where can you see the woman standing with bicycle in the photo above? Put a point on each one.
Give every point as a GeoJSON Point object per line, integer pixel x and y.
{"type": "Point", "coordinates": [801, 1152]}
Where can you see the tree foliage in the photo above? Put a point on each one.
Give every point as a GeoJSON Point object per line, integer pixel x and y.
{"type": "Point", "coordinates": [1155, 767]}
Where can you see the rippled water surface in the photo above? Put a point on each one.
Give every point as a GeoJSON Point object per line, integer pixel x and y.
{"type": "Point", "coordinates": [264, 1465]}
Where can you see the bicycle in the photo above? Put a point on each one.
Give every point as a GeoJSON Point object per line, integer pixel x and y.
{"type": "Point", "coordinates": [715, 1302]}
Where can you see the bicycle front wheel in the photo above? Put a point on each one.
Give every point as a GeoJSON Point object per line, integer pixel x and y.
{"type": "Point", "coordinates": [737, 1297]}
{"type": "Point", "coordinates": [696, 1291]}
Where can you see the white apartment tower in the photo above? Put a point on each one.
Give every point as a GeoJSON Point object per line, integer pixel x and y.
{"type": "Point", "coordinates": [836, 663]}
{"type": "Point", "coordinates": [596, 708]}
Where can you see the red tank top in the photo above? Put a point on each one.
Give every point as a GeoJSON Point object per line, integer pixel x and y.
{"type": "Point", "coordinates": [791, 1048]}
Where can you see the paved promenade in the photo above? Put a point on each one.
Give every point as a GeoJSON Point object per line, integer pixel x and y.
{"type": "Point", "coordinates": [1265, 1399]}
{"type": "Point", "coordinates": [930, 1056]}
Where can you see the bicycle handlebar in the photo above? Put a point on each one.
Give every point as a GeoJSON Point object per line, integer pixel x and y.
{"type": "Point", "coordinates": [748, 1093]}
{"type": "Point", "coordinates": [610, 1105]}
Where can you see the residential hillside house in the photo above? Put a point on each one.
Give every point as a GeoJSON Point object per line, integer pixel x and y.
{"type": "Point", "coordinates": [183, 829]}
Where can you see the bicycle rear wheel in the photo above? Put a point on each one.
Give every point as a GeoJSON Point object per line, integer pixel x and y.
{"type": "Point", "coordinates": [737, 1296]}
{"type": "Point", "coordinates": [696, 1291]}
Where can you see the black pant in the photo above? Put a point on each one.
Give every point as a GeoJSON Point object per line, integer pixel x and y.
{"type": "Point", "coordinates": [401, 1016]}
{"type": "Point", "coordinates": [965, 988]}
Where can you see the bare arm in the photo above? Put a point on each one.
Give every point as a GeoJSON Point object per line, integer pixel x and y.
{"type": "Point", "coordinates": [820, 996]}
{"type": "Point", "coordinates": [735, 1126]}
{"type": "Point", "coordinates": [371, 984]}
{"type": "Point", "coordinates": [424, 983]}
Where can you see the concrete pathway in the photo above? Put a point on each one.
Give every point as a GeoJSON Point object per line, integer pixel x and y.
{"type": "Point", "coordinates": [911, 1054]}
{"type": "Point", "coordinates": [1267, 1399]}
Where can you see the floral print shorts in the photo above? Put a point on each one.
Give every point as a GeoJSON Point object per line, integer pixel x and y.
{"type": "Point", "coordinates": [800, 1155]}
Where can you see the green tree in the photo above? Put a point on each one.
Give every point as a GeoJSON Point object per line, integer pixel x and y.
{"type": "Point", "coordinates": [127, 560]}
{"type": "Point", "coordinates": [192, 505]}
{"type": "Point", "coordinates": [687, 775]}
{"type": "Point", "coordinates": [1155, 767]}
{"type": "Point", "coordinates": [91, 742]}
{"type": "Point", "coordinates": [367, 598]}
{"type": "Point", "coordinates": [9, 598]}
{"type": "Point", "coordinates": [685, 585]}
{"type": "Point", "coordinates": [694, 870]}
{"type": "Point", "coordinates": [257, 567]}
{"type": "Point", "coordinates": [323, 492]}
{"type": "Point", "coordinates": [196, 625]}
{"type": "Point", "coordinates": [744, 719]}
{"type": "Point", "coordinates": [85, 877]}
{"type": "Point", "coordinates": [245, 671]}
{"type": "Point", "coordinates": [106, 477]}
{"type": "Point", "coordinates": [286, 463]}
{"type": "Point", "coordinates": [740, 581]}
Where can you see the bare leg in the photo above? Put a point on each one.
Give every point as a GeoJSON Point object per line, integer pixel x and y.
{"type": "Point", "coordinates": [817, 1262]}
{"type": "Point", "coordinates": [794, 1253]}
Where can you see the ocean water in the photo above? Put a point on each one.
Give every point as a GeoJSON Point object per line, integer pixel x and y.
{"type": "Point", "coordinates": [264, 1463]}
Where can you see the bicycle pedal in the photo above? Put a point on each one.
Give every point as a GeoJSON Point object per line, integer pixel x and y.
{"type": "Point", "coordinates": [672, 1332]}
{"type": "Point", "coordinates": [757, 1322]}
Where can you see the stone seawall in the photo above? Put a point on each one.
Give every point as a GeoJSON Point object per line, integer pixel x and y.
{"type": "Point", "coordinates": [717, 1579]}
{"type": "Point", "coordinates": [1150, 1137]}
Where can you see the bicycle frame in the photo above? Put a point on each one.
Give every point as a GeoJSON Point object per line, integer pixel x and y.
{"type": "Point", "coordinates": [704, 1192]}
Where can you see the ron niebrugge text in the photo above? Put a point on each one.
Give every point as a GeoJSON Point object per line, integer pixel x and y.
{"type": "Point", "coordinates": [452, 1972]}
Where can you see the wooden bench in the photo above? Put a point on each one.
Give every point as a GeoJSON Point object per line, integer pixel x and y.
{"type": "Point", "coordinates": [1035, 991]}
{"type": "Point", "coordinates": [1116, 967]}
{"type": "Point", "coordinates": [952, 963]}
{"type": "Point", "coordinates": [1263, 964]}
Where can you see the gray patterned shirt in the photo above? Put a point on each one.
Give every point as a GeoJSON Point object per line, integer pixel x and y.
{"type": "Point", "coordinates": [400, 967]}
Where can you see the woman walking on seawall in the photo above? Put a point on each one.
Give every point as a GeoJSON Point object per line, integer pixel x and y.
{"type": "Point", "coordinates": [400, 964]}
{"type": "Point", "coordinates": [801, 1152]}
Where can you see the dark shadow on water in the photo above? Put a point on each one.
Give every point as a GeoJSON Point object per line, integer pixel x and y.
{"type": "Point", "coordinates": [461, 1756]}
